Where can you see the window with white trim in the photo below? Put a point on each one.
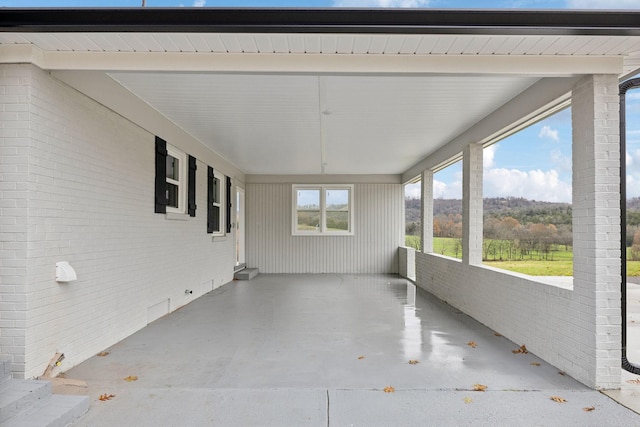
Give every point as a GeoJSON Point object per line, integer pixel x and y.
{"type": "Point", "coordinates": [322, 210]}
{"type": "Point", "coordinates": [176, 178]}
{"type": "Point", "coordinates": [215, 199]}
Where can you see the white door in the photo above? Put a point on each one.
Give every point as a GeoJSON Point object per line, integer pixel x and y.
{"type": "Point", "coordinates": [239, 226]}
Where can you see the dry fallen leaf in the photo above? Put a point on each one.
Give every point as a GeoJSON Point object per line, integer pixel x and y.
{"type": "Point", "coordinates": [562, 373]}
{"type": "Point", "coordinates": [472, 344]}
{"type": "Point", "coordinates": [558, 399]}
{"type": "Point", "coordinates": [103, 354]}
{"type": "Point", "coordinates": [105, 397]}
{"type": "Point", "coordinates": [389, 389]}
{"type": "Point", "coordinates": [497, 334]}
{"type": "Point", "coordinates": [467, 400]}
{"type": "Point", "coordinates": [589, 409]}
{"type": "Point", "coordinates": [361, 357]}
{"type": "Point", "coordinates": [521, 350]}
{"type": "Point", "coordinates": [131, 378]}
{"type": "Point", "coordinates": [413, 362]}
{"type": "Point", "coordinates": [535, 364]}
{"type": "Point", "coordinates": [636, 381]}
{"type": "Point", "coordinates": [479, 387]}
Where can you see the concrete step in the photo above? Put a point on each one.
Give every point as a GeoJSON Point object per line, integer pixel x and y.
{"type": "Point", "coordinates": [29, 403]}
{"type": "Point", "coordinates": [246, 274]}
{"type": "Point", "coordinates": [5, 369]}
{"type": "Point", "coordinates": [55, 410]}
{"type": "Point", "coordinates": [18, 395]}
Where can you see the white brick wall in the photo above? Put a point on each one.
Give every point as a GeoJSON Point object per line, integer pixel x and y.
{"type": "Point", "coordinates": [90, 193]}
{"type": "Point", "coordinates": [14, 145]}
{"type": "Point", "coordinates": [578, 330]}
{"type": "Point", "coordinates": [596, 211]}
{"type": "Point", "coordinates": [472, 207]}
{"type": "Point", "coordinates": [426, 206]}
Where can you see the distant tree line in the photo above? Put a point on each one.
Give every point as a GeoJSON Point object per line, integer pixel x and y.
{"type": "Point", "coordinates": [517, 228]}
{"type": "Point", "coordinates": [514, 228]}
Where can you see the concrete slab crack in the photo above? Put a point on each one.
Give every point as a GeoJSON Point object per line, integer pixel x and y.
{"type": "Point", "coordinates": [328, 420]}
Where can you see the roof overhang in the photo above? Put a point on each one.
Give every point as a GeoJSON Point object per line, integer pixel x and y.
{"type": "Point", "coordinates": [323, 21]}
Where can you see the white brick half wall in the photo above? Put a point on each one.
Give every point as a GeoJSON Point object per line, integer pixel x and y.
{"type": "Point", "coordinates": [378, 232]}
{"type": "Point", "coordinates": [88, 199]}
{"type": "Point", "coordinates": [576, 328]}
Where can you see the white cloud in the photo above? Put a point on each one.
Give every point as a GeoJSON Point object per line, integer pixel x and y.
{"type": "Point", "coordinates": [199, 3]}
{"type": "Point", "coordinates": [439, 189]}
{"type": "Point", "coordinates": [382, 3]}
{"type": "Point", "coordinates": [533, 185]}
{"type": "Point", "coordinates": [487, 156]}
{"type": "Point", "coordinates": [548, 132]}
{"type": "Point", "coordinates": [633, 173]}
{"type": "Point", "coordinates": [603, 4]}
{"type": "Point", "coordinates": [633, 186]}
{"type": "Point", "coordinates": [452, 190]}
{"type": "Point", "coordinates": [413, 190]}
{"type": "Point", "coordinates": [561, 161]}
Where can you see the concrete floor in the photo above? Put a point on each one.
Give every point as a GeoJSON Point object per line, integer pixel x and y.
{"type": "Point", "coordinates": [318, 350]}
{"type": "Point", "coordinates": [629, 393]}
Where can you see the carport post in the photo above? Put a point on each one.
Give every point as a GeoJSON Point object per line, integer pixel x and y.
{"type": "Point", "coordinates": [472, 204]}
{"type": "Point", "coordinates": [596, 230]}
{"type": "Point", "coordinates": [426, 207]}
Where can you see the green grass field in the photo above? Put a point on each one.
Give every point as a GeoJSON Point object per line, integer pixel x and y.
{"type": "Point", "coordinates": [561, 265]}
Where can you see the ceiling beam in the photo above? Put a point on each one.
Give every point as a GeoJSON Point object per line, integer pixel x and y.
{"type": "Point", "coordinates": [523, 65]}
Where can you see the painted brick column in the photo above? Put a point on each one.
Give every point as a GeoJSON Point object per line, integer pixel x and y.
{"type": "Point", "coordinates": [14, 191]}
{"type": "Point", "coordinates": [426, 207]}
{"type": "Point", "coordinates": [472, 204]}
{"type": "Point", "coordinates": [596, 229]}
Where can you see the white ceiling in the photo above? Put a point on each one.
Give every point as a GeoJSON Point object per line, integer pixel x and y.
{"type": "Point", "coordinates": [314, 115]}
{"type": "Point", "coordinates": [301, 124]}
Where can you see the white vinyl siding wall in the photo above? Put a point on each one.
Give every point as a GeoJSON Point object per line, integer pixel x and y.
{"type": "Point", "coordinates": [377, 225]}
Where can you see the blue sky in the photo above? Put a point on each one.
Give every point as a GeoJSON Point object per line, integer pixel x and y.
{"type": "Point", "coordinates": [534, 163]}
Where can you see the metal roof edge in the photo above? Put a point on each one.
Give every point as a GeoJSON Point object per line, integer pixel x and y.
{"type": "Point", "coordinates": [334, 20]}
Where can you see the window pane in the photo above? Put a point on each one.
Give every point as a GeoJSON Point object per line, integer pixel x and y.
{"type": "Point", "coordinates": [308, 210]}
{"type": "Point", "coordinates": [216, 218]}
{"type": "Point", "coordinates": [173, 168]}
{"type": "Point", "coordinates": [447, 211]}
{"type": "Point", "coordinates": [172, 195]}
{"type": "Point", "coordinates": [216, 190]}
{"type": "Point", "coordinates": [528, 222]}
{"type": "Point", "coordinates": [413, 215]}
{"type": "Point", "coordinates": [337, 210]}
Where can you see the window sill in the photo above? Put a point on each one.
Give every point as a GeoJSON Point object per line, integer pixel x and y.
{"type": "Point", "coordinates": [218, 238]}
{"type": "Point", "coordinates": [173, 216]}
{"type": "Point", "coordinates": [322, 234]}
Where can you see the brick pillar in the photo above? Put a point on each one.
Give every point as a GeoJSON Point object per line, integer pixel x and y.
{"type": "Point", "coordinates": [426, 205]}
{"type": "Point", "coordinates": [15, 85]}
{"type": "Point", "coordinates": [596, 228]}
{"type": "Point", "coordinates": [472, 204]}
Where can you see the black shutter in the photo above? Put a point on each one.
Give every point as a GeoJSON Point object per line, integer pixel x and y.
{"type": "Point", "coordinates": [210, 215]}
{"type": "Point", "coordinates": [229, 205]}
{"type": "Point", "coordinates": [161, 175]}
{"type": "Point", "coordinates": [192, 186]}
